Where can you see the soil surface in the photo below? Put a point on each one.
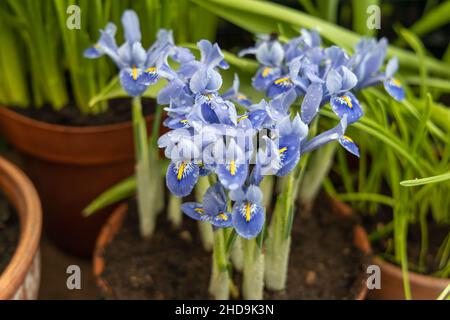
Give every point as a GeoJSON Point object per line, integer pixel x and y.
{"type": "Point", "coordinates": [324, 263]}
{"type": "Point", "coordinates": [119, 111]}
{"type": "Point", "coordinates": [384, 247]}
{"type": "Point", "coordinates": [9, 232]}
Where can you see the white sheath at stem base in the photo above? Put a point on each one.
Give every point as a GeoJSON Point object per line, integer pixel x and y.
{"type": "Point", "coordinates": [219, 285]}
{"type": "Point", "coordinates": [237, 254]}
{"type": "Point", "coordinates": [253, 272]}
{"type": "Point", "coordinates": [175, 215]}
{"type": "Point", "coordinates": [277, 260]}
{"type": "Point", "coordinates": [205, 229]}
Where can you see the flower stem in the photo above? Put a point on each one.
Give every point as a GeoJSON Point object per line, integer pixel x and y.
{"type": "Point", "coordinates": [318, 168]}
{"type": "Point", "coordinates": [219, 282]}
{"type": "Point", "coordinates": [205, 229]}
{"type": "Point", "coordinates": [253, 272]}
{"type": "Point", "coordinates": [237, 254]}
{"type": "Point", "coordinates": [279, 239]}
{"type": "Point", "coordinates": [145, 187]}
{"type": "Point", "coordinates": [174, 211]}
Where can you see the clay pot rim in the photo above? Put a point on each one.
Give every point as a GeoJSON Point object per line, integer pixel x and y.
{"type": "Point", "coordinates": [414, 277]}
{"type": "Point", "coordinates": [21, 193]}
{"type": "Point", "coordinates": [115, 221]}
{"type": "Point", "coordinates": [15, 116]}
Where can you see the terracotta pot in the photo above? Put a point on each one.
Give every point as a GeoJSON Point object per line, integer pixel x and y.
{"type": "Point", "coordinates": [115, 221]}
{"type": "Point", "coordinates": [70, 166]}
{"type": "Point", "coordinates": [20, 279]}
{"type": "Point", "coordinates": [423, 287]}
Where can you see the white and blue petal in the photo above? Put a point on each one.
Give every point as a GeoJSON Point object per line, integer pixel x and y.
{"type": "Point", "coordinates": [248, 219]}
{"type": "Point", "coordinates": [394, 88]}
{"type": "Point", "coordinates": [222, 220]}
{"type": "Point", "coordinates": [194, 210]}
{"type": "Point", "coordinates": [232, 175]}
{"type": "Point", "coordinates": [130, 22]}
{"type": "Point", "coordinates": [346, 104]}
{"type": "Point", "coordinates": [181, 177]}
{"type": "Point", "coordinates": [349, 145]}
{"type": "Point", "coordinates": [129, 81]}
{"type": "Point", "coordinates": [311, 102]}
{"type": "Point", "coordinates": [279, 86]}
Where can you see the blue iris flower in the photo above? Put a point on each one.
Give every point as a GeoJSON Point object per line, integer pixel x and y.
{"type": "Point", "coordinates": [138, 67]}
{"type": "Point", "coordinates": [248, 211]}
{"type": "Point", "coordinates": [339, 83]}
{"type": "Point", "coordinates": [232, 166]}
{"type": "Point", "coordinates": [235, 95]}
{"type": "Point", "coordinates": [392, 85]}
{"type": "Point", "coordinates": [213, 208]}
{"type": "Point", "coordinates": [291, 136]}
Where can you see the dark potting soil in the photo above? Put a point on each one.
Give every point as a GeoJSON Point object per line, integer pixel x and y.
{"type": "Point", "coordinates": [384, 247]}
{"type": "Point", "coordinates": [324, 263]}
{"type": "Point", "coordinates": [9, 232]}
{"type": "Point", "coordinates": [119, 111]}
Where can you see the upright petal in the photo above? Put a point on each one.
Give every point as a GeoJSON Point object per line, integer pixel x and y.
{"type": "Point", "coordinates": [130, 22]}
{"type": "Point", "coordinates": [311, 102]}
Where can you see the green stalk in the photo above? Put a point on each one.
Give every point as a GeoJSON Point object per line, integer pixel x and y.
{"type": "Point", "coordinates": [145, 188]}
{"type": "Point", "coordinates": [266, 186]}
{"type": "Point", "coordinates": [279, 240]}
{"type": "Point", "coordinates": [253, 271]}
{"type": "Point", "coordinates": [175, 215]}
{"type": "Point", "coordinates": [219, 285]}
{"type": "Point", "coordinates": [318, 169]}
{"type": "Point", "coordinates": [237, 254]}
{"type": "Point", "coordinates": [205, 228]}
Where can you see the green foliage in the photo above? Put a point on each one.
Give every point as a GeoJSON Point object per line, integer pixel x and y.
{"type": "Point", "coordinates": [40, 52]}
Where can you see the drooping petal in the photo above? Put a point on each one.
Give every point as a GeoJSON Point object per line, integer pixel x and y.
{"type": "Point", "coordinates": [181, 177]}
{"type": "Point", "coordinates": [289, 150]}
{"type": "Point", "coordinates": [248, 219]}
{"type": "Point", "coordinates": [311, 102]}
{"type": "Point", "coordinates": [148, 77]}
{"type": "Point", "coordinates": [349, 145]}
{"type": "Point", "coordinates": [279, 86]}
{"type": "Point", "coordinates": [264, 77]}
{"type": "Point", "coordinates": [346, 103]}
{"type": "Point", "coordinates": [129, 81]}
{"type": "Point", "coordinates": [222, 220]}
{"type": "Point", "coordinates": [326, 137]}
{"type": "Point", "coordinates": [93, 52]}
{"type": "Point", "coordinates": [194, 210]}
{"type": "Point", "coordinates": [232, 175]}
{"type": "Point", "coordinates": [394, 88]}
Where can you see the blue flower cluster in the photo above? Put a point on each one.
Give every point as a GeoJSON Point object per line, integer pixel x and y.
{"type": "Point", "coordinates": [229, 136]}
{"type": "Point", "coordinates": [138, 67]}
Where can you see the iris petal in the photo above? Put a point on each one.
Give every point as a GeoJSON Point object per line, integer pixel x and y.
{"type": "Point", "coordinates": [248, 219]}
{"type": "Point", "coordinates": [349, 145]}
{"type": "Point", "coordinates": [233, 175]}
{"type": "Point", "coordinates": [346, 104]}
{"type": "Point", "coordinates": [181, 177]}
{"type": "Point", "coordinates": [132, 87]}
{"type": "Point", "coordinates": [194, 210]}
{"type": "Point", "coordinates": [395, 89]}
{"type": "Point", "coordinates": [222, 220]}
{"type": "Point", "coordinates": [279, 86]}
